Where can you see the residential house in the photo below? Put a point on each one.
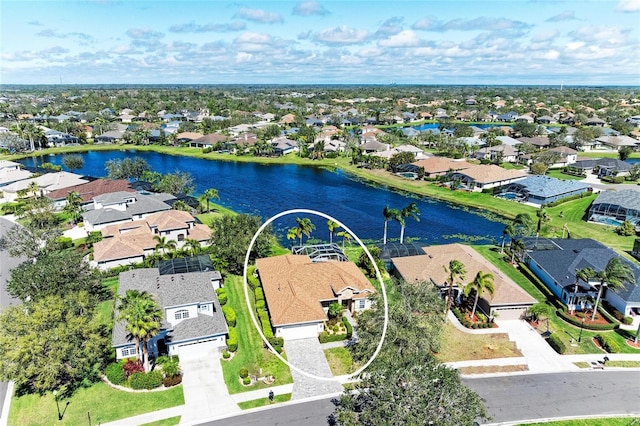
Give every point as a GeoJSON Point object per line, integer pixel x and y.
{"type": "Point", "coordinates": [208, 141]}
{"type": "Point", "coordinates": [509, 301]}
{"type": "Point", "coordinates": [284, 146]}
{"type": "Point", "coordinates": [618, 142]}
{"type": "Point", "coordinates": [87, 191]}
{"type": "Point", "coordinates": [604, 166]}
{"type": "Point", "coordinates": [486, 176]}
{"type": "Point", "coordinates": [537, 141]}
{"type": "Point", "coordinates": [500, 153]}
{"type": "Point", "coordinates": [112, 136]}
{"type": "Point", "coordinates": [555, 262]}
{"type": "Point", "coordinates": [130, 242]}
{"type": "Point", "coordinates": [614, 207]}
{"type": "Point", "coordinates": [541, 190]}
{"type": "Point", "coordinates": [47, 183]}
{"type": "Point", "coordinates": [193, 321]}
{"type": "Point", "coordinates": [440, 166]}
{"type": "Point", "coordinates": [11, 172]}
{"type": "Point", "coordinates": [123, 206]}
{"type": "Point", "coordinates": [298, 292]}
{"type": "Point", "coordinates": [567, 156]}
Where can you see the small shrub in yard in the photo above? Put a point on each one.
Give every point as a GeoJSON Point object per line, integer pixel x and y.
{"type": "Point", "coordinates": [556, 343]}
{"type": "Point", "coordinates": [277, 343]}
{"type": "Point", "coordinates": [229, 315]}
{"type": "Point", "coordinates": [226, 355]}
{"type": "Point", "coordinates": [222, 296]}
{"type": "Point", "coordinates": [348, 326]}
{"type": "Point", "coordinates": [243, 373]}
{"type": "Point", "coordinates": [325, 337]}
{"type": "Point", "coordinates": [132, 366]}
{"type": "Point", "coordinates": [150, 380]}
{"type": "Point", "coordinates": [627, 320]}
{"type": "Point", "coordinates": [232, 341]}
{"type": "Point", "coordinates": [259, 304]}
{"type": "Point", "coordinates": [608, 343]}
{"type": "Point", "coordinates": [259, 294]}
{"type": "Point", "coordinates": [246, 381]}
{"type": "Point", "coordinates": [115, 373]}
{"type": "Point", "coordinates": [172, 381]}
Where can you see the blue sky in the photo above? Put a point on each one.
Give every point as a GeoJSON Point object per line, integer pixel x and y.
{"type": "Point", "coordinates": [345, 42]}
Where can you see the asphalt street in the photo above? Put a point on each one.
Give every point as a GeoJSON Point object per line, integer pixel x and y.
{"type": "Point", "coordinates": [6, 264]}
{"type": "Point", "coordinates": [509, 399]}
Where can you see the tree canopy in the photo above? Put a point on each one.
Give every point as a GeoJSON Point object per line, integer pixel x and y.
{"type": "Point", "coordinates": [127, 168]}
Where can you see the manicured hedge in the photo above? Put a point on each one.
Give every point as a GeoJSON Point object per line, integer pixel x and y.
{"type": "Point", "coordinates": [266, 324]}
{"type": "Point", "coordinates": [251, 280]}
{"type": "Point", "coordinates": [115, 373]}
{"type": "Point", "coordinates": [608, 343]}
{"type": "Point", "coordinates": [260, 304]}
{"type": "Point", "coordinates": [347, 324]}
{"type": "Point", "coordinates": [232, 340]}
{"type": "Point", "coordinates": [277, 343]}
{"type": "Point", "coordinates": [557, 344]}
{"type": "Point", "coordinates": [259, 294]}
{"type": "Point", "coordinates": [325, 337]}
{"type": "Point", "coordinates": [150, 380]}
{"type": "Point", "coordinates": [229, 315]}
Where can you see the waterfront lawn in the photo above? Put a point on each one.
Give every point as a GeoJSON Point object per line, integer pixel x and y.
{"type": "Point", "coordinates": [102, 402]}
{"type": "Point", "coordinates": [251, 353]}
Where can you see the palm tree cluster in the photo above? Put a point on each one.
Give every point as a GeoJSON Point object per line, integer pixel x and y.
{"type": "Point", "coordinates": [410, 211]}
{"type": "Point", "coordinates": [143, 317]}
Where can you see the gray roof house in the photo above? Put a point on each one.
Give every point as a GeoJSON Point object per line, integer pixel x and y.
{"type": "Point", "coordinates": [555, 261]}
{"type": "Point", "coordinates": [123, 206]}
{"type": "Point", "coordinates": [541, 190]}
{"type": "Point", "coordinates": [614, 207]}
{"type": "Point", "coordinates": [193, 320]}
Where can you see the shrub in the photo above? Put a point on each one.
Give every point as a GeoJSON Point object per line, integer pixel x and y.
{"type": "Point", "coordinates": [266, 324]}
{"type": "Point", "coordinates": [243, 373]}
{"type": "Point", "coordinates": [132, 366]}
{"type": "Point", "coordinates": [246, 381]}
{"type": "Point", "coordinates": [608, 343]}
{"type": "Point", "coordinates": [260, 304]}
{"type": "Point", "coordinates": [348, 326]}
{"type": "Point", "coordinates": [170, 365]}
{"type": "Point", "coordinates": [207, 150]}
{"type": "Point", "coordinates": [627, 320]}
{"type": "Point", "coordinates": [325, 337]}
{"type": "Point", "coordinates": [251, 279]}
{"type": "Point", "coordinates": [172, 381]}
{"type": "Point", "coordinates": [64, 242]}
{"type": "Point", "coordinates": [115, 373]}
{"type": "Point", "coordinates": [617, 314]}
{"type": "Point", "coordinates": [259, 294]}
{"type": "Point", "coordinates": [232, 341]}
{"type": "Point", "coordinates": [556, 343]}
{"type": "Point", "coordinates": [226, 354]}
{"type": "Point", "coordinates": [229, 315]}
{"type": "Point", "coordinates": [150, 380]}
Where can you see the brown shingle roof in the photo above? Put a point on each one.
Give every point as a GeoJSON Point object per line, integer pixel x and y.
{"type": "Point", "coordinates": [489, 173]}
{"type": "Point", "coordinates": [92, 189]}
{"type": "Point", "coordinates": [429, 267]}
{"type": "Point", "coordinates": [441, 165]}
{"type": "Point", "coordinates": [294, 286]}
{"type": "Point", "coordinates": [122, 248]}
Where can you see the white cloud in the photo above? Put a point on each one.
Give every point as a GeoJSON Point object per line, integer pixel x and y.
{"type": "Point", "coordinates": [341, 35]}
{"type": "Point", "coordinates": [628, 6]}
{"type": "Point", "coordinates": [253, 42]}
{"type": "Point", "coordinates": [406, 38]}
{"type": "Point", "coordinates": [543, 36]}
{"type": "Point", "coordinates": [307, 8]}
{"type": "Point", "coordinates": [605, 36]}
{"type": "Point", "coordinates": [144, 34]}
{"type": "Point", "coordinates": [475, 24]}
{"type": "Point", "coordinates": [391, 26]}
{"type": "Point", "coordinates": [567, 15]}
{"type": "Point", "coordinates": [258, 15]}
{"type": "Point", "coordinates": [192, 27]}
{"type": "Point", "coordinates": [243, 57]}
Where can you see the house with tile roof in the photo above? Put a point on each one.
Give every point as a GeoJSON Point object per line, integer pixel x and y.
{"type": "Point", "coordinates": [507, 153]}
{"type": "Point", "coordinates": [440, 166]}
{"type": "Point", "coordinates": [486, 176]}
{"type": "Point", "coordinates": [123, 206]}
{"type": "Point", "coordinates": [193, 320]}
{"type": "Point", "coordinates": [509, 300]}
{"type": "Point", "coordinates": [298, 292]}
{"type": "Point", "coordinates": [130, 242]}
{"type": "Point", "coordinates": [555, 262]}
{"type": "Point", "coordinates": [47, 183]}
{"type": "Point", "coordinates": [87, 191]}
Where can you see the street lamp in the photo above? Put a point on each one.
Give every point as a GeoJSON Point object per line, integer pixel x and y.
{"type": "Point", "coordinates": [581, 327]}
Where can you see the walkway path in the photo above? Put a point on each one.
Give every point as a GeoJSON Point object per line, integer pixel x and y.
{"type": "Point", "coordinates": [307, 355]}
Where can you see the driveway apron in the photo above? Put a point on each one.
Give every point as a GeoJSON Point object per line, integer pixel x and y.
{"type": "Point", "coordinates": [307, 355]}
{"type": "Point", "coordinates": [205, 393]}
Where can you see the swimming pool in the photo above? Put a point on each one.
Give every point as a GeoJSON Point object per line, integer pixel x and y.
{"type": "Point", "coordinates": [509, 195]}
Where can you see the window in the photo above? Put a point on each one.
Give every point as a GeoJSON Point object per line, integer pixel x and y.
{"type": "Point", "coordinates": [361, 303]}
{"type": "Point", "coordinates": [182, 314]}
{"type": "Point", "coordinates": [180, 237]}
{"type": "Point", "coordinates": [129, 351]}
{"type": "Point", "coordinates": [203, 308]}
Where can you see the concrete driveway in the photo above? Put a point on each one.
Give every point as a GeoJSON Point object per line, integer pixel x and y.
{"type": "Point", "coordinates": [205, 394]}
{"type": "Point", "coordinates": [308, 356]}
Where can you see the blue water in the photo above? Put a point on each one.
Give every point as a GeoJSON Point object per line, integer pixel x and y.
{"type": "Point", "coordinates": [429, 126]}
{"type": "Point", "coordinates": [266, 190]}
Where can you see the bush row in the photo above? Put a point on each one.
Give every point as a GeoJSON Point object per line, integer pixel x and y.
{"type": "Point", "coordinates": [232, 341]}
{"type": "Point", "coordinates": [251, 279]}
{"type": "Point", "coordinates": [325, 337]}
{"type": "Point", "coordinates": [264, 322]}
{"type": "Point", "coordinates": [566, 199]}
{"type": "Point", "coordinates": [557, 344]}
{"type": "Point", "coordinates": [578, 323]}
{"type": "Point", "coordinates": [222, 296]}
{"type": "Point", "coordinates": [348, 326]}
{"type": "Point", "coordinates": [259, 293]}
{"type": "Point", "coordinates": [229, 315]}
{"type": "Point", "coordinates": [608, 343]}
{"type": "Point", "coordinates": [150, 380]}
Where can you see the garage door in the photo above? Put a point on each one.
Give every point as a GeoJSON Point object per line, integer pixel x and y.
{"type": "Point", "coordinates": [198, 350]}
{"type": "Point", "coordinates": [292, 332]}
{"type": "Point", "coordinates": [510, 314]}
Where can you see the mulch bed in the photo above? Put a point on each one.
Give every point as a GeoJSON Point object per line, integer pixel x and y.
{"type": "Point", "coordinates": [633, 345]}
{"type": "Point", "coordinates": [600, 320]}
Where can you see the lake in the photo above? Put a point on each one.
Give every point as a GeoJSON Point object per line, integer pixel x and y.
{"type": "Point", "coordinates": [266, 190]}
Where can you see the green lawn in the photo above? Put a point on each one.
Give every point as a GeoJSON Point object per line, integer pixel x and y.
{"type": "Point", "coordinates": [557, 173]}
{"type": "Point", "coordinates": [251, 353]}
{"type": "Point", "coordinates": [340, 361]}
{"type": "Point", "coordinates": [263, 402]}
{"type": "Point", "coordinates": [103, 403]}
{"type": "Point", "coordinates": [611, 421]}
{"type": "Point", "coordinates": [171, 421]}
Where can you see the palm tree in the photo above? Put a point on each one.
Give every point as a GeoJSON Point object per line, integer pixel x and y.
{"type": "Point", "coordinates": [74, 206]}
{"type": "Point", "coordinates": [388, 214]}
{"type": "Point", "coordinates": [523, 224]}
{"type": "Point", "coordinates": [346, 237]}
{"type": "Point", "coordinates": [581, 275]}
{"type": "Point", "coordinates": [163, 245]}
{"type": "Point", "coordinates": [614, 275]}
{"type": "Point", "coordinates": [332, 227]}
{"type": "Point", "coordinates": [294, 233]}
{"type": "Point", "coordinates": [33, 188]}
{"type": "Point", "coordinates": [508, 231]}
{"type": "Point", "coordinates": [305, 227]}
{"type": "Point", "coordinates": [517, 246]}
{"type": "Point", "coordinates": [455, 270]}
{"type": "Point", "coordinates": [208, 195]}
{"type": "Point", "coordinates": [412, 211]}
{"type": "Point", "coordinates": [483, 281]}
{"type": "Point", "coordinates": [192, 246]}
{"type": "Point", "coordinates": [543, 216]}
{"type": "Point", "coordinates": [143, 316]}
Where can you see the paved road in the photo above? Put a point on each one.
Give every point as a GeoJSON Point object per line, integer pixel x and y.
{"type": "Point", "coordinates": [509, 399]}
{"type": "Point", "coordinates": [6, 264]}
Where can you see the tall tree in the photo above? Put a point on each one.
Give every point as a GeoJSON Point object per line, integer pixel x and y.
{"type": "Point", "coordinates": [523, 224]}
{"type": "Point", "coordinates": [543, 216]}
{"type": "Point", "coordinates": [72, 162]}
{"type": "Point", "coordinates": [583, 274]}
{"type": "Point", "coordinates": [305, 226]}
{"type": "Point", "coordinates": [411, 211]}
{"type": "Point", "coordinates": [388, 214]}
{"type": "Point", "coordinates": [176, 183]}
{"type": "Point", "coordinates": [333, 226]}
{"type": "Point", "coordinates": [615, 275]}
{"type": "Point", "coordinates": [508, 231]}
{"type": "Point", "coordinates": [455, 271]}
{"type": "Point", "coordinates": [74, 206]}
{"type": "Point", "coordinates": [208, 194]}
{"type": "Point", "coordinates": [482, 281]}
{"type": "Point", "coordinates": [143, 317]}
